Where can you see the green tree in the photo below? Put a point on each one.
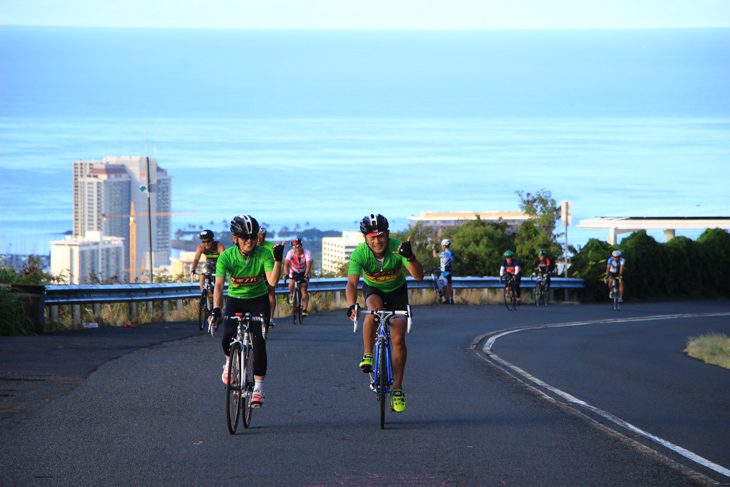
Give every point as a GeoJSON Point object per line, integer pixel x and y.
{"type": "Point", "coordinates": [590, 265]}
{"type": "Point", "coordinates": [542, 208]}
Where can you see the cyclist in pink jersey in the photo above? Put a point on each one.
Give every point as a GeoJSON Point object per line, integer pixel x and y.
{"type": "Point", "coordinates": [298, 265]}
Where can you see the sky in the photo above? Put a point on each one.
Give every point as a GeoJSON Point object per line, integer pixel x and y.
{"type": "Point", "coordinates": [369, 14]}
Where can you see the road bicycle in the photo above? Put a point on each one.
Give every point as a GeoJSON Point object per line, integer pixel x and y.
{"type": "Point", "coordinates": [438, 284]}
{"type": "Point", "coordinates": [239, 388]}
{"type": "Point", "coordinates": [205, 308]}
{"type": "Point", "coordinates": [510, 292]}
{"type": "Point", "coordinates": [542, 294]}
{"type": "Point", "coordinates": [381, 378]}
{"type": "Point", "coordinates": [295, 300]}
{"type": "Point", "coordinates": [615, 294]}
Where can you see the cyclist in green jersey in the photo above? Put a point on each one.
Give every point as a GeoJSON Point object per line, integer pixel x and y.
{"type": "Point", "coordinates": [246, 264]}
{"type": "Point", "coordinates": [382, 260]}
{"type": "Point", "coordinates": [262, 242]}
{"type": "Point", "coordinates": [211, 250]}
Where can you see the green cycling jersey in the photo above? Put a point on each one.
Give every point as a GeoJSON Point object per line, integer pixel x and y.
{"type": "Point", "coordinates": [246, 276]}
{"type": "Point", "coordinates": [387, 275]}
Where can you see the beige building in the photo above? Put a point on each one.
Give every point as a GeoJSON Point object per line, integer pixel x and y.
{"type": "Point", "coordinates": [441, 220]}
{"type": "Point", "coordinates": [183, 264]}
{"type": "Point", "coordinates": [337, 250]}
{"type": "Point", "coordinates": [77, 259]}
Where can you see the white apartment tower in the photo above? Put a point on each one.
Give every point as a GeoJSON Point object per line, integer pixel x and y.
{"type": "Point", "coordinates": [336, 251]}
{"type": "Point", "coordinates": [104, 192]}
{"type": "Point", "coordinates": [76, 260]}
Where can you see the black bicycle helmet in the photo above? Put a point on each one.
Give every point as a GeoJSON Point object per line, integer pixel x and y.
{"type": "Point", "coordinates": [206, 235]}
{"type": "Point", "coordinates": [244, 226]}
{"type": "Point", "coordinates": [374, 224]}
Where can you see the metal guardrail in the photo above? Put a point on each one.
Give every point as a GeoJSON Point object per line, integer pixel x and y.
{"type": "Point", "coordinates": [81, 294]}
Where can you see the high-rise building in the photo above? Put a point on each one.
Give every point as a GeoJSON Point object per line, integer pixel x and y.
{"type": "Point", "coordinates": [336, 251]}
{"type": "Point", "coordinates": [104, 192]}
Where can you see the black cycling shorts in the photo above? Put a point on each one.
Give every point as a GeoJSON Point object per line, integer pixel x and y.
{"type": "Point", "coordinates": [448, 278]}
{"type": "Point", "coordinates": [393, 301]}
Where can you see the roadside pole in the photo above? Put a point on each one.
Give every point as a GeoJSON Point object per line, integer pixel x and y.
{"type": "Point", "coordinates": [566, 214]}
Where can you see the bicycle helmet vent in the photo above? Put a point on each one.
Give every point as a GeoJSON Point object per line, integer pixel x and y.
{"type": "Point", "coordinates": [244, 226]}
{"type": "Point", "coordinates": [374, 224]}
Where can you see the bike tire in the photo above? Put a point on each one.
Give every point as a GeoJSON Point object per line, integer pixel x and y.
{"type": "Point", "coordinates": [202, 312]}
{"type": "Point", "coordinates": [300, 306]}
{"type": "Point", "coordinates": [508, 298]}
{"type": "Point", "coordinates": [247, 389]}
{"type": "Point", "coordinates": [234, 390]}
{"type": "Point", "coordinates": [382, 381]}
{"type": "Point", "coordinates": [537, 294]}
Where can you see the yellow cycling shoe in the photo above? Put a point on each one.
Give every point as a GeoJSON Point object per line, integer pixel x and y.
{"type": "Point", "coordinates": [367, 363]}
{"type": "Point", "coordinates": [398, 401]}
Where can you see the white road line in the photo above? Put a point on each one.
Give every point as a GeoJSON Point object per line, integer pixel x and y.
{"type": "Point", "coordinates": [487, 349]}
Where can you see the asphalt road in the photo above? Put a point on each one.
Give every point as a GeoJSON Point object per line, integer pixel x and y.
{"type": "Point", "coordinates": [145, 405]}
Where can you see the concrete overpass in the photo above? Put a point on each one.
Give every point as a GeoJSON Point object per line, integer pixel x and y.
{"type": "Point", "coordinates": [667, 219]}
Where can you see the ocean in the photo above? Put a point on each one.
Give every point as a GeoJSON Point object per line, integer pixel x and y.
{"type": "Point", "coordinates": [318, 128]}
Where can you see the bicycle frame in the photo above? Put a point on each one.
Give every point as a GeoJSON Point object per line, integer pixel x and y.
{"type": "Point", "coordinates": [510, 290]}
{"type": "Point", "coordinates": [381, 378]}
{"type": "Point", "coordinates": [240, 388]}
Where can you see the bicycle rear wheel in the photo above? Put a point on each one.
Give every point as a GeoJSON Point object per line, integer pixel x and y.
{"type": "Point", "coordinates": [247, 386]}
{"type": "Point", "coordinates": [382, 380]}
{"type": "Point", "coordinates": [508, 301]}
{"type": "Point", "coordinates": [202, 311]}
{"type": "Point", "coordinates": [234, 388]}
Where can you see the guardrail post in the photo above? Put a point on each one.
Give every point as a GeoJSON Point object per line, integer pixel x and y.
{"type": "Point", "coordinates": [132, 309]}
{"type": "Point", "coordinates": [76, 314]}
{"type": "Point", "coordinates": [179, 305]}
{"type": "Point", "coordinates": [166, 309]}
{"type": "Point", "coordinates": [423, 292]}
{"type": "Point", "coordinates": [96, 309]}
{"type": "Point", "coordinates": [338, 297]}
{"type": "Point", "coordinates": [54, 313]}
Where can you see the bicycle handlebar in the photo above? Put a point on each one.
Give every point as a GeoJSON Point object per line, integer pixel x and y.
{"type": "Point", "coordinates": [384, 314]}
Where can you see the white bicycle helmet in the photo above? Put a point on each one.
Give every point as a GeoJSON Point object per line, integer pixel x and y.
{"type": "Point", "coordinates": [445, 242]}
{"type": "Point", "coordinates": [616, 253]}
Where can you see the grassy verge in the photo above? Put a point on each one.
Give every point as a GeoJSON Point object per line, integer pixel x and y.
{"type": "Point", "coordinates": [712, 348]}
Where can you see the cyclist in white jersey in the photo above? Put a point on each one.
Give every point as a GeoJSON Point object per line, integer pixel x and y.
{"type": "Point", "coordinates": [298, 265]}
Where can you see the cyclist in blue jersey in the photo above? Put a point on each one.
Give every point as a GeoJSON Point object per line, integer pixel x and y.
{"type": "Point", "coordinates": [511, 266]}
{"type": "Point", "coordinates": [615, 270]}
{"type": "Point", "coordinates": [446, 258]}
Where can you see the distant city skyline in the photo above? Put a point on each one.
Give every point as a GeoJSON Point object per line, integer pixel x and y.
{"type": "Point", "coordinates": [371, 14]}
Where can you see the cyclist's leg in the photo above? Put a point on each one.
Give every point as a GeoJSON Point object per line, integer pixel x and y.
{"type": "Point", "coordinates": [202, 282]}
{"type": "Point", "coordinates": [620, 288]}
{"type": "Point", "coordinates": [271, 290]}
{"type": "Point", "coordinates": [518, 288]}
{"type": "Point", "coordinates": [291, 287]}
{"type": "Point", "coordinates": [400, 352]}
{"type": "Point", "coordinates": [374, 302]}
{"type": "Point", "coordinates": [305, 295]}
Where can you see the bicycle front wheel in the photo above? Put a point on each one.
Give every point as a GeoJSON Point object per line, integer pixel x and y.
{"type": "Point", "coordinates": [247, 386]}
{"type": "Point", "coordinates": [382, 380]}
{"type": "Point", "coordinates": [299, 306]}
{"type": "Point", "coordinates": [234, 389]}
{"type": "Point", "coordinates": [508, 301]}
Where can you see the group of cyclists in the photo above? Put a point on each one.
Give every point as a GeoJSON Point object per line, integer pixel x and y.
{"type": "Point", "coordinates": [253, 266]}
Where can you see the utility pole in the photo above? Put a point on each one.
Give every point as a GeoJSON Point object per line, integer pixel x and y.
{"type": "Point", "coordinates": [149, 217]}
{"type": "Point", "coordinates": [566, 214]}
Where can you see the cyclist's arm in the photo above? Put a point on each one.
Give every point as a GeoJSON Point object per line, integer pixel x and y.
{"type": "Point", "coordinates": [196, 259]}
{"type": "Point", "coordinates": [501, 271]}
{"type": "Point", "coordinates": [221, 248]}
{"type": "Point", "coordinates": [309, 268]}
{"type": "Point", "coordinates": [272, 276]}
{"type": "Point", "coordinates": [218, 292]}
{"type": "Point", "coordinates": [415, 268]}
{"type": "Point", "coordinates": [287, 267]}
{"type": "Point", "coordinates": [351, 288]}
{"type": "Point", "coordinates": [621, 270]}
{"type": "Point", "coordinates": [435, 254]}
